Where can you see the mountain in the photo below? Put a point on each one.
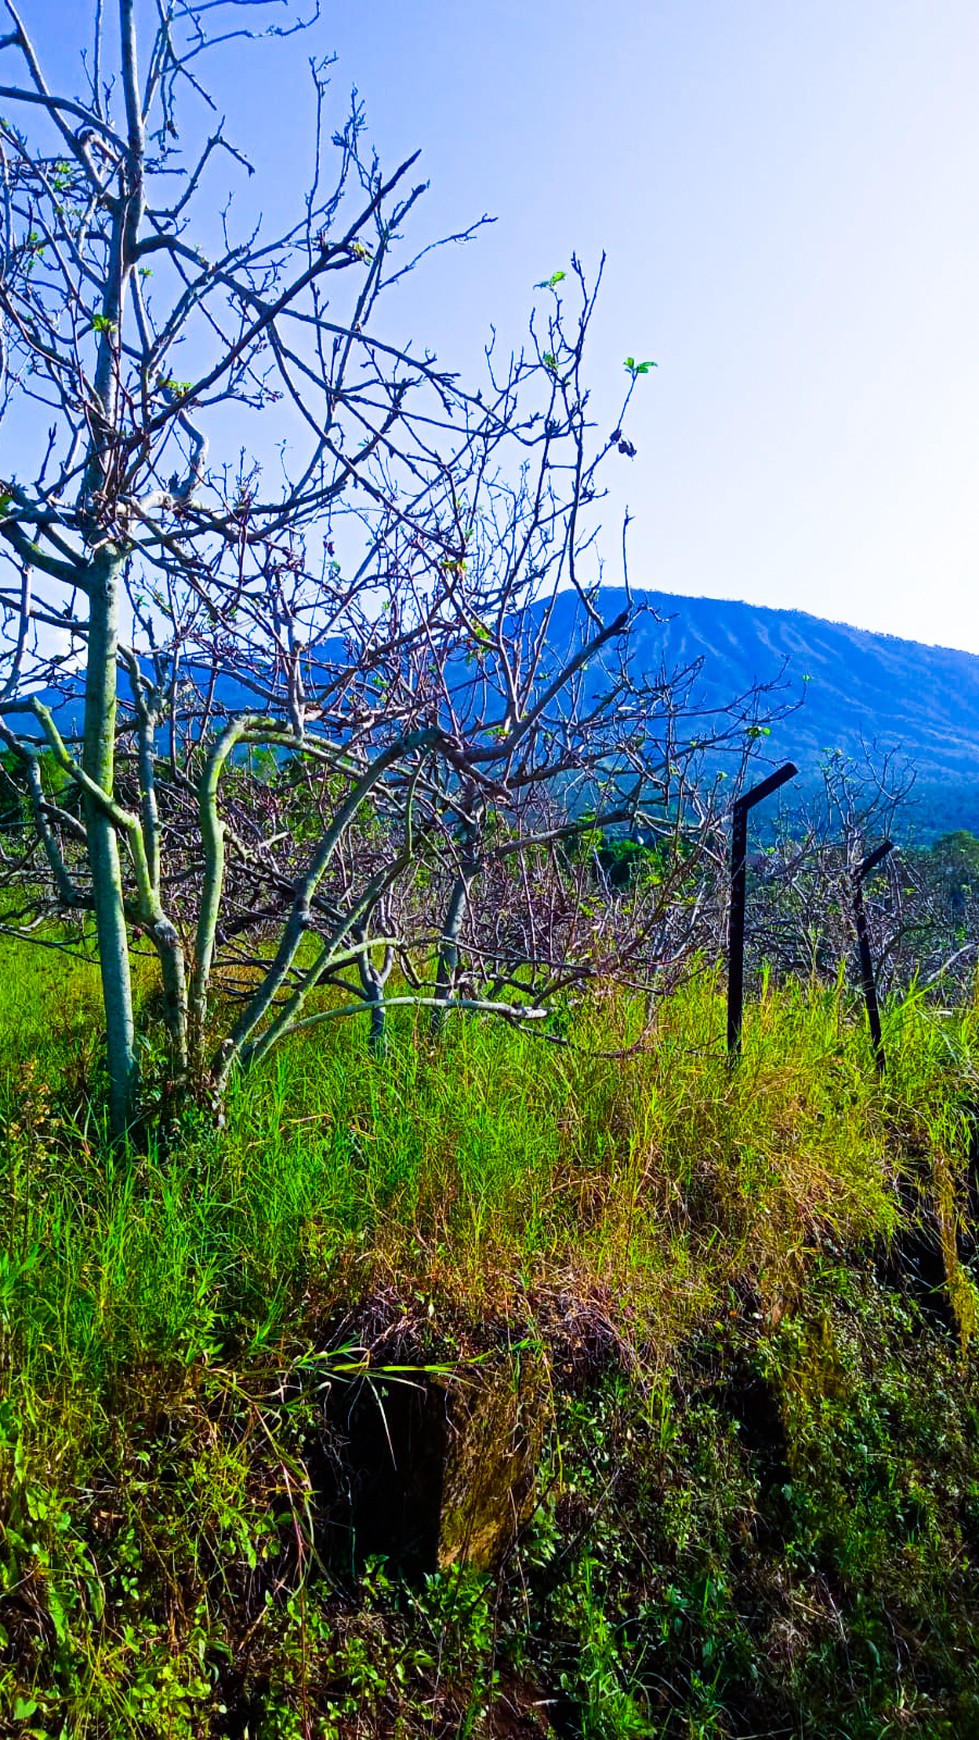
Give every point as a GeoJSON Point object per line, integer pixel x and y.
{"type": "Point", "coordinates": [854, 689]}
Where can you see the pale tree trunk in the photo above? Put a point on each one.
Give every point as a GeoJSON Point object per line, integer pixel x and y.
{"type": "Point", "coordinates": [160, 929]}
{"type": "Point", "coordinates": [105, 572]}
{"type": "Point", "coordinates": [98, 760]}
{"type": "Point", "coordinates": [448, 949]}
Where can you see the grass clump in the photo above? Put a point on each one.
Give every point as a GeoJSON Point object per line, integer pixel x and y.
{"type": "Point", "coordinates": [758, 1446]}
{"type": "Point", "coordinates": [483, 1172]}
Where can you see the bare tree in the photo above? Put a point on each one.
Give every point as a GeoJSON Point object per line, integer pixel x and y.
{"type": "Point", "coordinates": [340, 716]}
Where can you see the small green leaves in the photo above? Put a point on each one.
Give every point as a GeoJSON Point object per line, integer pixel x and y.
{"type": "Point", "coordinates": [550, 361]}
{"type": "Point", "coordinates": [634, 369]}
{"type": "Point", "coordinates": [102, 323]}
{"type": "Point", "coordinates": [6, 497]}
{"type": "Point", "coordinates": [552, 282]}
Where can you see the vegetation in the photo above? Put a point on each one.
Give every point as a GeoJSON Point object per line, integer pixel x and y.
{"type": "Point", "coordinates": [733, 1306]}
{"type": "Point", "coordinates": [560, 1376]}
{"type": "Point", "coordinates": [394, 586]}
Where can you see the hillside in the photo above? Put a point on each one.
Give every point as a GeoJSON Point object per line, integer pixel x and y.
{"type": "Point", "coordinates": [854, 688]}
{"type": "Point", "coordinates": [489, 1391]}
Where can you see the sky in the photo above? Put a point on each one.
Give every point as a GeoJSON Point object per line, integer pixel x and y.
{"type": "Point", "coordinates": [786, 194]}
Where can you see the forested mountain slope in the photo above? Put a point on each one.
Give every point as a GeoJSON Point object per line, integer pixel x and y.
{"type": "Point", "coordinates": [854, 687]}
{"type": "Point", "coordinates": [852, 690]}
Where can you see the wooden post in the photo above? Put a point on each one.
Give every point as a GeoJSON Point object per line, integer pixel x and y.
{"type": "Point", "coordinates": [867, 977]}
{"type": "Point", "coordinates": [739, 885]}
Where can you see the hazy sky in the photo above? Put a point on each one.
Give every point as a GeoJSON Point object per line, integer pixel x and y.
{"type": "Point", "coordinates": [787, 196]}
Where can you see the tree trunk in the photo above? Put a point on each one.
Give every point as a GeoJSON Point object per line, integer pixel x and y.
{"type": "Point", "coordinates": [448, 949]}
{"type": "Point", "coordinates": [98, 760]}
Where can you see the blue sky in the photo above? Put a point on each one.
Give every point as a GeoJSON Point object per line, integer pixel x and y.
{"type": "Point", "coordinates": [787, 195]}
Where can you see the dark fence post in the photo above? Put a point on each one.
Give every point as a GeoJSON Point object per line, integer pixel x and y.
{"type": "Point", "coordinates": [739, 884]}
{"type": "Point", "coordinates": [867, 977]}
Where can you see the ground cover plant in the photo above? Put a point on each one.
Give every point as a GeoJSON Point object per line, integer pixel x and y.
{"type": "Point", "coordinates": [733, 1305]}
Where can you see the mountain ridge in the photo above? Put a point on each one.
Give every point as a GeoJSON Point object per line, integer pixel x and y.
{"type": "Point", "coordinates": [857, 688]}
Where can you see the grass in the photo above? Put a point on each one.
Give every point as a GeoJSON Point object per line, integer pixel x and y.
{"type": "Point", "coordinates": [153, 1305]}
{"type": "Point", "coordinates": [480, 1173]}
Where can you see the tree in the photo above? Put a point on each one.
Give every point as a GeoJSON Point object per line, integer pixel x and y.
{"type": "Point", "coordinates": [379, 624]}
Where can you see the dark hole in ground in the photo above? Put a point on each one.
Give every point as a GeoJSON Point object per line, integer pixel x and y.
{"type": "Point", "coordinates": [914, 1262]}
{"type": "Point", "coordinates": [750, 1399]}
{"type": "Point", "coordinates": [379, 1475]}
{"type": "Point", "coordinates": [919, 1267]}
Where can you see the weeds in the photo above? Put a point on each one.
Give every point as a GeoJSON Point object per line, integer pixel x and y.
{"type": "Point", "coordinates": [769, 1497]}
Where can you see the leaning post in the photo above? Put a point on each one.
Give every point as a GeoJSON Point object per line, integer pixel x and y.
{"type": "Point", "coordinates": [739, 884]}
{"type": "Point", "coordinates": [867, 976]}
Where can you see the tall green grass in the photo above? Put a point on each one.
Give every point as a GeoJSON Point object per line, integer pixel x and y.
{"type": "Point", "coordinates": [159, 1307]}
{"type": "Point", "coordinates": [491, 1172]}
